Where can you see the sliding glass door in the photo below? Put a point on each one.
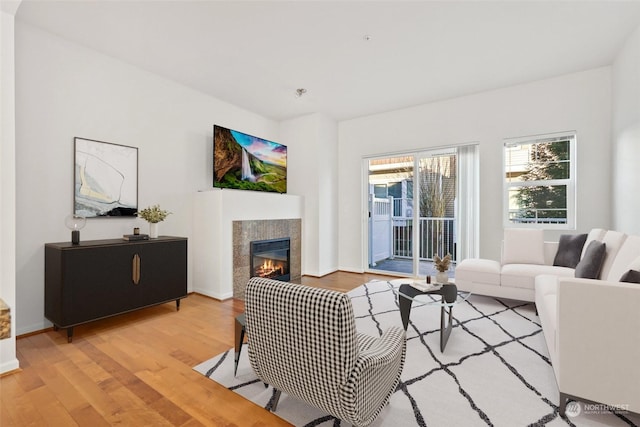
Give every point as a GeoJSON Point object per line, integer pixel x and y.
{"type": "Point", "coordinates": [390, 197]}
{"type": "Point", "coordinates": [416, 212]}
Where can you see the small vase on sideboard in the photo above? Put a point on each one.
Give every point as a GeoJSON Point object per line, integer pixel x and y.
{"type": "Point", "coordinates": [153, 230]}
{"type": "Point", "coordinates": [153, 215]}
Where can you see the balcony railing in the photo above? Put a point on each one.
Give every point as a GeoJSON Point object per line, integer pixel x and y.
{"type": "Point", "coordinates": [436, 236]}
{"type": "Point", "coordinates": [391, 231]}
{"type": "Point", "coordinates": [538, 216]}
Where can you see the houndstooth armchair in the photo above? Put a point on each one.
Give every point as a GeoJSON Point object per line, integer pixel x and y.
{"type": "Point", "coordinates": [303, 341]}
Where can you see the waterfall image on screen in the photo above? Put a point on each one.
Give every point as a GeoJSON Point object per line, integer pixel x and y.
{"type": "Point", "coordinates": [247, 173]}
{"type": "Point", "coordinates": [246, 162]}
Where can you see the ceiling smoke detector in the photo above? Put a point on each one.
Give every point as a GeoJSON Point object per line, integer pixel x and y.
{"type": "Point", "coordinates": [300, 92]}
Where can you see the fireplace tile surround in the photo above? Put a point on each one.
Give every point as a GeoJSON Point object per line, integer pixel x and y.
{"type": "Point", "coordinates": [244, 232]}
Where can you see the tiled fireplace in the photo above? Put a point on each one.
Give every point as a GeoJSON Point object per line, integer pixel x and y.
{"type": "Point", "coordinates": [261, 231]}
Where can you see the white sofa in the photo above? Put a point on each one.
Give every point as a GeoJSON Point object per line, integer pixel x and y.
{"type": "Point", "coordinates": [514, 275]}
{"type": "Point", "coordinates": [591, 326]}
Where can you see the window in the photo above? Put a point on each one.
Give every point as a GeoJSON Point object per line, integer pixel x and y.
{"type": "Point", "coordinates": [381, 191]}
{"type": "Point", "coordinates": [539, 176]}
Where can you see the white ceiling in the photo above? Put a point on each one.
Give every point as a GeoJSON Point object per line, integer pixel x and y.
{"type": "Point", "coordinates": [256, 54]}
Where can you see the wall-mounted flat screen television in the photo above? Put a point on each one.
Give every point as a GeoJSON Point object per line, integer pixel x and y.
{"type": "Point", "coordinates": [247, 162]}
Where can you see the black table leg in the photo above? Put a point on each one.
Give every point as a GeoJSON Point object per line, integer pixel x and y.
{"type": "Point", "coordinates": [405, 310]}
{"type": "Point", "coordinates": [445, 325]}
{"type": "Point", "coordinates": [449, 294]}
{"type": "Point", "coordinates": [239, 338]}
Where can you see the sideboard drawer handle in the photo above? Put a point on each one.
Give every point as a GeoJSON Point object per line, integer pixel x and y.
{"type": "Point", "coordinates": [135, 274]}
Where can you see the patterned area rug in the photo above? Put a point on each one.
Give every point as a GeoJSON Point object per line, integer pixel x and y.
{"type": "Point", "coordinates": [495, 369]}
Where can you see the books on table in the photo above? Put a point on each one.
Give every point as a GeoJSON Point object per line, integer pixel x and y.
{"type": "Point", "coordinates": [423, 286]}
{"type": "Point", "coordinates": [134, 237]}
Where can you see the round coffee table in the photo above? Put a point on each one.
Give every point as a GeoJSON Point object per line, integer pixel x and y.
{"type": "Point", "coordinates": [450, 296]}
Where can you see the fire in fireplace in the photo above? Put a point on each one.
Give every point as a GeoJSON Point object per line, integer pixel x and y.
{"type": "Point", "coordinates": [270, 259]}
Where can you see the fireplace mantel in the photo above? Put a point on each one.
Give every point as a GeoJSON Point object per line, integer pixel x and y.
{"type": "Point", "coordinates": [214, 214]}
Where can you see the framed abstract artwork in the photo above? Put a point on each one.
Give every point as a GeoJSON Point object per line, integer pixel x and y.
{"type": "Point", "coordinates": [106, 179]}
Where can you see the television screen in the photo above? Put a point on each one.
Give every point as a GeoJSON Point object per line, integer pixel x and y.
{"type": "Point", "coordinates": [247, 162]}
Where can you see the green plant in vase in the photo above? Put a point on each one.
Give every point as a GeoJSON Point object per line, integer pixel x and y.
{"type": "Point", "coordinates": [153, 215]}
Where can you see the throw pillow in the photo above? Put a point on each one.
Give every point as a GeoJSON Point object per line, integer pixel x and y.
{"type": "Point", "coordinates": [523, 246]}
{"type": "Point", "coordinates": [591, 263]}
{"type": "Point", "coordinates": [594, 234]}
{"type": "Point", "coordinates": [569, 250]}
{"type": "Point", "coordinates": [631, 276]}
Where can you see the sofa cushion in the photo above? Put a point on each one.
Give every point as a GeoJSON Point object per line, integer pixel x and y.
{"type": "Point", "coordinates": [550, 251]}
{"type": "Point", "coordinates": [614, 241]}
{"type": "Point", "coordinates": [631, 276]}
{"type": "Point", "coordinates": [524, 275]}
{"type": "Point", "coordinates": [546, 284]}
{"type": "Point", "coordinates": [626, 259]}
{"type": "Point", "coordinates": [523, 246]}
{"type": "Point", "coordinates": [478, 270]}
{"type": "Point", "coordinates": [591, 263]}
{"type": "Point", "coordinates": [569, 250]}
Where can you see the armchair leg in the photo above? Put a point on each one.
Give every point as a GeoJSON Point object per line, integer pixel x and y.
{"type": "Point", "coordinates": [274, 400]}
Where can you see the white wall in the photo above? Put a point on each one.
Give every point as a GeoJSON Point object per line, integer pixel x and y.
{"type": "Point", "coordinates": [328, 190]}
{"type": "Point", "coordinates": [64, 90]}
{"type": "Point", "coordinates": [580, 102]}
{"type": "Point", "coordinates": [626, 136]}
{"type": "Point", "coordinates": [8, 360]}
{"type": "Point", "coordinates": [313, 158]}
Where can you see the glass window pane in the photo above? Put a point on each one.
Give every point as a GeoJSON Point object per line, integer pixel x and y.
{"type": "Point", "coordinates": [538, 204]}
{"type": "Point", "coordinates": [537, 161]}
{"type": "Point", "coordinates": [380, 191]}
{"type": "Point", "coordinates": [437, 186]}
{"type": "Point", "coordinates": [561, 149]}
{"type": "Point", "coordinates": [395, 189]}
{"type": "Point", "coordinates": [390, 212]}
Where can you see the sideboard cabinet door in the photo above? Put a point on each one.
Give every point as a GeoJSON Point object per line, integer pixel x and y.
{"type": "Point", "coordinates": [102, 278]}
{"type": "Point", "coordinates": [163, 272]}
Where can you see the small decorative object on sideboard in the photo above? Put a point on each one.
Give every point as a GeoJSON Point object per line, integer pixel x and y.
{"type": "Point", "coordinates": [153, 215]}
{"type": "Point", "coordinates": [135, 237]}
{"type": "Point", "coordinates": [442, 265]}
{"type": "Point", "coordinates": [75, 223]}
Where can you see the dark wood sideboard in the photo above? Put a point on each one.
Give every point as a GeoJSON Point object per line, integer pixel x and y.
{"type": "Point", "coordinates": [101, 278]}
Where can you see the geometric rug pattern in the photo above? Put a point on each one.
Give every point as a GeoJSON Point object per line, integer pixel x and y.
{"type": "Point", "coordinates": [494, 371]}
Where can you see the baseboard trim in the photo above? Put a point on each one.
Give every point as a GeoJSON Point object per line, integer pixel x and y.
{"type": "Point", "coordinates": [318, 275]}
{"type": "Point", "coordinates": [9, 368]}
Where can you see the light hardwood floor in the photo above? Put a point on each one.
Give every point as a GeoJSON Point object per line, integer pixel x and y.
{"type": "Point", "coordinates": [136, 369]}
